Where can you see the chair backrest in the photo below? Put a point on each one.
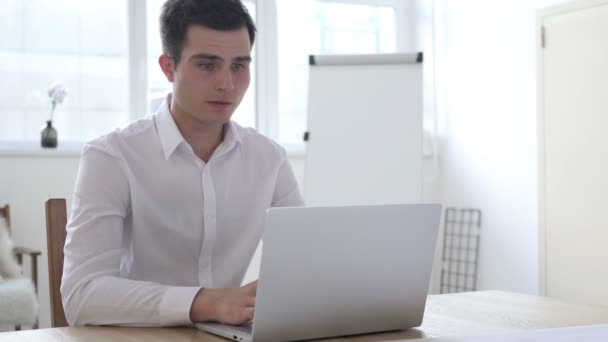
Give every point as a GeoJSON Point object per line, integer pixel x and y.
{"type": "Point", "coordinates": [5, 212]}
{"type": "Point", "coordinates": [56, 220]}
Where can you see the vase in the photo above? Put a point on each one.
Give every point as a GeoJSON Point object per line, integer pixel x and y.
{"type": "Point", "coordinates": [48, 136]}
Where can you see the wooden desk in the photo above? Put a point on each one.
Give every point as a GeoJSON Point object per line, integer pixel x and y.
{"type": "Point", "coordinates": [446, 315]}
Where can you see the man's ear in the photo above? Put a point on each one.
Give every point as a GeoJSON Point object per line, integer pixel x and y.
{"type": "Point", "coordinates": [167, 66]}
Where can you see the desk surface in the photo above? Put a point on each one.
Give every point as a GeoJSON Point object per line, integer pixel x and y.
{"type": "Point", "coordinates": [459, 314]}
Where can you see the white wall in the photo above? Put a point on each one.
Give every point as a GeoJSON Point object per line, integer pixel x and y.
{"type": "Point", "coordinates": [486, 76]}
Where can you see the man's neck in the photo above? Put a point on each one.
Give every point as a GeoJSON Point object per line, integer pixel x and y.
{"type": "Point", "coordinates": [203, 138]}
{"type": "Point", "coordinates": [203, 142]}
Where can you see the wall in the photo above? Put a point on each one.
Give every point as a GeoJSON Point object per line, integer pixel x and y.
{"type": "Point", "coordinates": [486, 72]}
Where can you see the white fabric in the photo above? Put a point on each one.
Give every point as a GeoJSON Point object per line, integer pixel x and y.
{"type": "Point", "coordinates": [152, 223]}
{"type": "Point", "coordinates": [18, 304]}
{"type": "Point", "coordinates": [8, 264]}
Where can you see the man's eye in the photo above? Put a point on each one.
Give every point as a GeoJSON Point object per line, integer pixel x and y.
{"type": "Point", "coordinates": [207, 66]}
{"type": "Point", "coordinates": [239, 66]}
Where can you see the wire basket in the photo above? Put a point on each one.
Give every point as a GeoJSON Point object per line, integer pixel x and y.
{"type": "Point", "coordinates": [462, 227]}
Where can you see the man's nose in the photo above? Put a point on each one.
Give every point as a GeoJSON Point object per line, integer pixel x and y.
{"type": "Point", "coordinates": [225, 80]}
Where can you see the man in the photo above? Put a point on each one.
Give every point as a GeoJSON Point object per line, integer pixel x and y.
{"type": "Point", "coordinates": [168, 211]}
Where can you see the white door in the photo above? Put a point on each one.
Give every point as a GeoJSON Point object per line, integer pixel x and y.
{"type": "Point", "coordinates": [573, 136]}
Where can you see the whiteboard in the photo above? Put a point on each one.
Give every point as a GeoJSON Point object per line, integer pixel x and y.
{"type": "Point", "coordinates": [364, 136]}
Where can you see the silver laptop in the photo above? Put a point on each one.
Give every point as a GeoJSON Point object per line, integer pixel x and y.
{"type": "Point", "coordinates": [335, 271]}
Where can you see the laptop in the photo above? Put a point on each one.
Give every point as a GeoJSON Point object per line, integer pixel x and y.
{"type": "Point", "coordinates": [336, 271]}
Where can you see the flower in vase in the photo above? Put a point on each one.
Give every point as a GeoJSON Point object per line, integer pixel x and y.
{"type": "Point", "coordinates": [57, 93]}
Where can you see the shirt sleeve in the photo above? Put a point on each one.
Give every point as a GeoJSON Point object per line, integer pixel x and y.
{"type": "Point", "coordinates": [93, 292]}
{"type": "Point", "coordinates": [286, 192]}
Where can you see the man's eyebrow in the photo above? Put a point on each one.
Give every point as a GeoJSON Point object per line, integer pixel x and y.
{"type": "Point", "coordinates": [206, 56]}
{"type": "Point", "coordinates": [242, 59]}
{"type": "Point", "coordinates": [218, 58]}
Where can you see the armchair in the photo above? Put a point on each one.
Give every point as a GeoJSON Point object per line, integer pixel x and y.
{"type": "Point", "coordinates": [18, 303]}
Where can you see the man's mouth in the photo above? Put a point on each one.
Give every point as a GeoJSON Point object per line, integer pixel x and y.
{"type": "Point", "coordinates": [220, 105]}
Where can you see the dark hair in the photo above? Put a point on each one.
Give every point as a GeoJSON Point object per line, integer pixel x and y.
{"type": "Point", "coordinates": [223, 15]}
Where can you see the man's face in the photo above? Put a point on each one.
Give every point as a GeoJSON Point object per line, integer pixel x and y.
{"type": "Point", "coordinates": [212, 75]}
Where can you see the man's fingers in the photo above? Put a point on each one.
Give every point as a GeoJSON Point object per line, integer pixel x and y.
{"type": "Point", "coordinates": [252, 284]}
{"type": "Point", "coordinates": [248, 315]}
{"type": "Point", "coordinates": [244, 314]}
{"type": "Point", "coordinates": [252, 287]}
{"type": "Point", "coordinates": [250, 302]}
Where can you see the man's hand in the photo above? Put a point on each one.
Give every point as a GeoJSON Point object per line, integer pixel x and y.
{"type": "Point", "coordinates": [229, 306]}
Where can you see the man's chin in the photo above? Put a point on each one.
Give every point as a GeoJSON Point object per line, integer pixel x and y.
{"type": "Point", "coordinates": [216, 118]}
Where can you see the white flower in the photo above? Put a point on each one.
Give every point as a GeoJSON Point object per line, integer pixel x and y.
{"type": "Point", "coordinates": [57, 93]}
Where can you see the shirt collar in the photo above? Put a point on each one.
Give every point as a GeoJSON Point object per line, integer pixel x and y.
{"type": "Point", "coordinates": [171, 138]}
{"type": "Point", "coordinates": [169, 134]}
{"type": "Point", "coordinates": [231, 139]}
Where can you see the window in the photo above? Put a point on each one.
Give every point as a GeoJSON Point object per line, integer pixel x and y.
{"type": "Point", "coordinates": [67, 41]}
{"type": "Point", "coordinates": [323, 27]}
{"type": "Point", "coordinates": [63, 41]}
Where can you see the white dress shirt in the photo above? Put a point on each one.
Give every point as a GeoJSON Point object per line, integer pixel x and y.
{"type": "Point", "coordinates": [152, 223]}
